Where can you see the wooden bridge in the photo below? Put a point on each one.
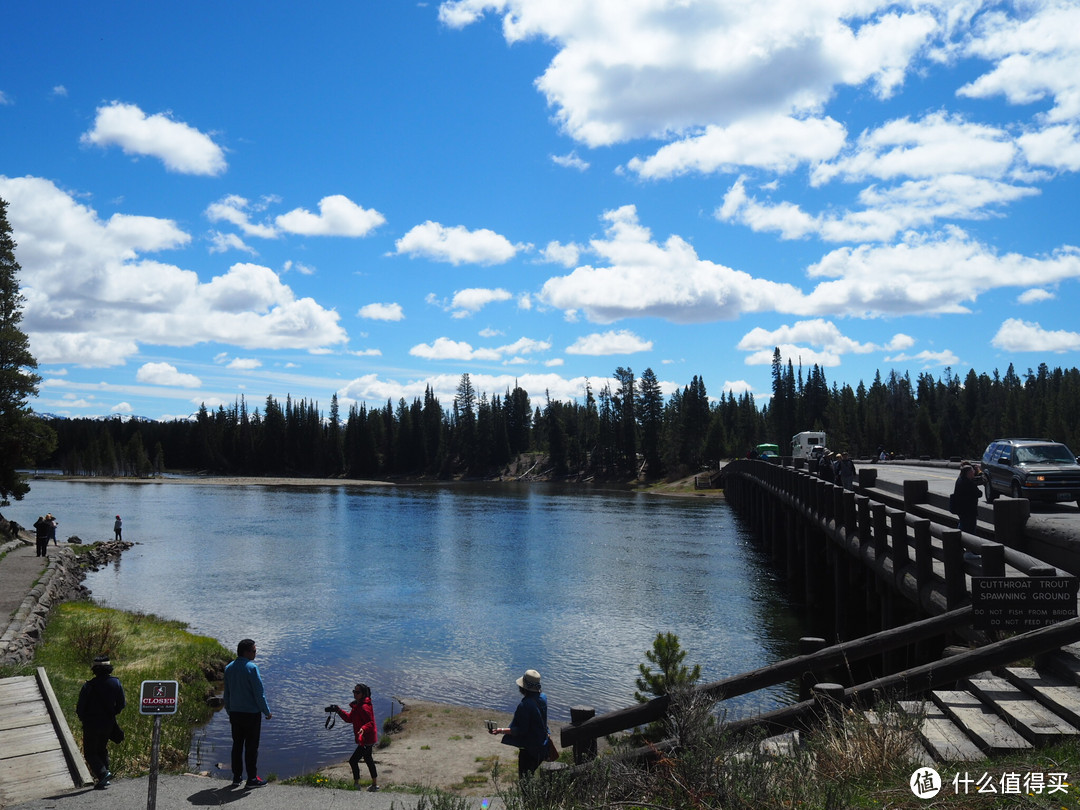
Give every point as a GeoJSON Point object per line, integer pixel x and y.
{"type": "Point", "coordinates": [39, 756]}
{"type": "Point", "coordinates": [896, 580]}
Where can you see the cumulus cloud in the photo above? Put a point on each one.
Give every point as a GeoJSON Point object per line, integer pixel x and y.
{"type": "Point", "coordinates": [444, 348]}
{"type": "Point", "coordinates": [651, 69]}
{"type": "Point", "coordinates": [236, 210]}
{"type": "Point", "coordinates": [599, 344]}
{"type": "Point", "coordinates": [381, 312]}
{"type": "Point", "coordinates": [165, 374]}
{"type": "Point", "coordinates": [456, 245]}
{"type": "Point", "coordinates": [1034, 296]}
{"type": "Point", "coordinates": [570, 161]}
{"type": "Point", "coordinates": [470, 301]}
{"type": "Point", "coordinates": [244, 363]}
{"type": "Point", "coordinates": [927, 359]}
{"type": "Point", "coordinates": [182, 148]}
{"type": "Point", "coordinates": [224, 242]}
{"type": "Point", "coordinates": [669, 280]}
{"type": "Point", "coordinates": [558, 253]}
{"type": "Point", "coordinates": [1015, 335]}
{"type": "Point", "coordinates": [338, 216]}
{"type": "Point", "coordinates": [377, 390]}
{"type": "Point", "coordinates": [93, 296]}
{"type": "Point", "coordinates": [813, 341]}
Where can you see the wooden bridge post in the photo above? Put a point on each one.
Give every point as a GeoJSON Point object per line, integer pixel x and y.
{"type": "Point", "coordinates": [916, 491]}
{"type": "Point", "coordinates": [1010, 516]}
{"type": "Point", "coordinates": [993, 560]}
{"type": "Point", "coordinates": [808, 645]}
{"type": "Point", "coordinates": [851, 515]}
{"type": "Point", "coordinates": [881, 539]}
{"type": "Point", "coordinates": [865, 531]}
{"type": "Point", "coordinates": [829, 698]}
{"type": "Point", "coordinates": [924, 554]}
{"type": "Point", "coordinates": [898, 533]}
{"type": "Point", "coordinates": [841, 591]}
{"type": "Point", "coordinates": [585, 750]}
{"type": "Point", "coordinates": [955, 580]}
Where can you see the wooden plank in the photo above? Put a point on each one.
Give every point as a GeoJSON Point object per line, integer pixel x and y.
{"type": "Point", "coordinates": [916, 751]}
{"type": "Point", "coordinates": [30, 740]}
{"type": "Point", "coordinates": [35, 788]}
{"type": "Point", "coordinates": [77, 766]}
{"type": "Point", "coordinates": [988, 731]}
{"type": "Point", "coordinates": [26, 715]}
{"type": "Point", "coordinates": [942, 737]}
{"type": "Point", "coordinates": [1055, 693]}
{"type": "Point", "coordinates": [46, 765]}
{"type": "Point", "coordinates": [1035, 722]}
{"type": "Point", "coordinates": [15, 689]}
{"type": "Point", "coordinates": [1063, 663]}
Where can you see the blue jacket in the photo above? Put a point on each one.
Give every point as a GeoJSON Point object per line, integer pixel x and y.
{"type": "Point", "coordinates": [100, 700]}
{"type": "Point", "coordinates": [244, 688]}
{"type": "Point", "coordinates": [529, 728]}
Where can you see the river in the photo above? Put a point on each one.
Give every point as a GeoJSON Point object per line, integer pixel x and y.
{"type": "Point", "coordinates": [435, 592]}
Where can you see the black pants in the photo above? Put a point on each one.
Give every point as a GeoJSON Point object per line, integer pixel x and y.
{"type": "Point", "coordinates": [528, 761]}
{"type": "Point", "coordinates": [246, 729]}
{"type": "Point", "coordinates": [362, 752]}
{"type": "Point", "coordinates": [43, 546]}
{"type": "Point", "coordinates": [96, 750]}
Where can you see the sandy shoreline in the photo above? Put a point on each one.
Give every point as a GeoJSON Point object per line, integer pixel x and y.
{"type": "Point", "coordinates": [440, 746]}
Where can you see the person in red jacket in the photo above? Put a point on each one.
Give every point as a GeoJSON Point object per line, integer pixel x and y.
{"type": "Point", "coordinates": [362, 716]}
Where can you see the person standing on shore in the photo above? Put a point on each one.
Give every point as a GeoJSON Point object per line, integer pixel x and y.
{"type": "Point", "coordinates": [117, 527]}
{"type": "Point", "coordinates": [41, 535]}
{"type": "Point", "coordinates": [101, 699]}
{"type": "Point", "coordinates": [528, 730]}
{"type": "Point", "coordinates": [245, 703]}
{"type": "Point", "coordinates": [51, 522]}
{"type": "Point", "coordinates": [362, 717]}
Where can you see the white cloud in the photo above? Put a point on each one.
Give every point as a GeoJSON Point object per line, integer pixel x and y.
{"type": "Point", "coordinates": [376, 390]}
{"type": "Point", "coordinates": [381, 312]}
{"type": "Point", "coordinates": [122, 407]}
{"type": "Point", "coordinates": [1057, 147]}
{"type": "Point", "coordinates": [1015, 335]}
{"type": "Point", "coordinates": [60, 90]}
{"type": "Point", "coordinates": [244, 363]}
{"type": "Point", "coordinates": [92, 296]}
{"type": "Point", "coordinates": [570, 161]}
{"type": "Point", "coordinates": [653, 68]}
{"type": "Point", "coordinates": [181, 147]}
{"type": "Point", "coordinates": [235, 209]}
{"type": "Point", "coordinates": [456, 245]}
{"type": "Point", "coordinates": [778, 143]}
{"type": "Point", "coordinates": [558, 253]}
{"type": "Point", "coordinates": [927, 359]}
{"type": "Point", "coordinates": [447, 349]}
{"type": "Point", "coordinates": [165, 374]}
{"type": "Point", "coordinates": [338, 216]}
{"type": "Point", "coordinates": [795, 339]}
{"type": "Point", "coordinates": [1034, 296]}
{"type": "Point", "coordinates": [470, 301]}
{"type": "Point", "coordinates": [669, 281]}
{"type": "Point", "coordinates": [613, 342]}
{"type": "Point", "coordinates": [5, 99]}
{"type": "Point", "coordinates": [1035, 55]}
{"type": "Point", "coordinates": [224, 242]}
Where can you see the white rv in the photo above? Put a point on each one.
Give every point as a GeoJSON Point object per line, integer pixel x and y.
{"type": "Point", "coordinates": [808, 444]}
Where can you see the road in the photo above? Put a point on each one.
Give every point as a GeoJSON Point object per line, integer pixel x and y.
{"type": "Point", "coordinates": [1063, 518]}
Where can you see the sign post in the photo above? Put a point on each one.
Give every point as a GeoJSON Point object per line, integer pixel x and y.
{"type": "Point", "coordinates": [157, 698]}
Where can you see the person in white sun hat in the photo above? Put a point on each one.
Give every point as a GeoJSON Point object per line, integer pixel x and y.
{"type": "Point", "coordinates": [528, 730]}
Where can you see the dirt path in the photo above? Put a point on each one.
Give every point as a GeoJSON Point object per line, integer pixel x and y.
{"type": "Point", "coordinates": [442, 746]}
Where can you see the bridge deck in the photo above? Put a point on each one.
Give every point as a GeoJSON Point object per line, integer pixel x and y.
{"type": "Point", "coordinates": [38, 756]}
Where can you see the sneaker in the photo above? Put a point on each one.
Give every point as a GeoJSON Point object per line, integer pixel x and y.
{"type": "Point", "coordinates": [257, 781]}
{"type": "Point", "coordinates": [101, 784]}
{"type": "Point", "coordinates": [237, 781]}
{"type": "Point", "coordinates": [373, 789]}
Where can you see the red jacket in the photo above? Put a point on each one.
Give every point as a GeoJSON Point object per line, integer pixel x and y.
{"type": "Point", "coordinates": [362, 718]}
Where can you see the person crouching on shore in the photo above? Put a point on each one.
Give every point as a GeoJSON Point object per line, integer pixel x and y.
{"type": "Point", "coordinates": [362, 717]}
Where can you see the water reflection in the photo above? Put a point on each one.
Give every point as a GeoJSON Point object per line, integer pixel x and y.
{"type": "Point", "coordinates": [439, 593]}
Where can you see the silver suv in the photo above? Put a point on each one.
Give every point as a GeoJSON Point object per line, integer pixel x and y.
{"type": "Point", "coordinates": [1036, 469]}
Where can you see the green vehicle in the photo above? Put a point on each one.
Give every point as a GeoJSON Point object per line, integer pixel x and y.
{"type": "Point", "coordinates": [768, 450]}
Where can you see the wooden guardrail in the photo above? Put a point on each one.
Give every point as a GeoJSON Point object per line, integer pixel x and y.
{"type": "Point", "coordinates": [928, 563]}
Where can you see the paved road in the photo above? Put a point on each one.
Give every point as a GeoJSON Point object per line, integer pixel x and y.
{"type": "Point", "coordinates": [188, 790]}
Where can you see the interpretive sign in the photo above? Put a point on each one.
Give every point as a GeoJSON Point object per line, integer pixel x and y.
{"type": "Point", "coordinates": [159, 697]}
{"type": "Point", "coordinates": [1022, 603]}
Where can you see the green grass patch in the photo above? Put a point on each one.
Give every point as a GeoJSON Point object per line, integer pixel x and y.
{"type": "Point", "coordinates": [141, 648]}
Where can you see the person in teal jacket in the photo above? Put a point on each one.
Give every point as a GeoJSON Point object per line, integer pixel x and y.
{"type": "Point", "coordinates": [245, 703]}
{"type": "Point", "coordinates": [528, 730]}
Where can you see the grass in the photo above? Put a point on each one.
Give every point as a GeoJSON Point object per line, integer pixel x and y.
{"type": "Point", "coordinates": [141, 647]}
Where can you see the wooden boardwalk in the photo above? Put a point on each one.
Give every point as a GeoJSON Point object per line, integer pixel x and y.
{"type": "Point", "coordinates": [38, 755]}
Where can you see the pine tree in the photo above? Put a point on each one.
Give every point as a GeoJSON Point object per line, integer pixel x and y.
{"type": "Point", "coordinates": [668, 657]}
{"type": "Point", "coordinates": [22, 436]}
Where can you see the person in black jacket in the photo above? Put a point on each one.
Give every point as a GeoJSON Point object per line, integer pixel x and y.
{"type": "Point", "coordinates": [965, 498]}
{"type": "Point", "coordinates": [101, 699]}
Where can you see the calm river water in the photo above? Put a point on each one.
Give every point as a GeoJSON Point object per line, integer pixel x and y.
{"type": "Point", "coordinates": [436, 592]}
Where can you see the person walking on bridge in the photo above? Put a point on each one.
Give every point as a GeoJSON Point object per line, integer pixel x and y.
{"type": "Point", "coordinates": [965, 499]}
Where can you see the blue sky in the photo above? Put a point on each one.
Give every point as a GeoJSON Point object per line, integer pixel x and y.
{"type": "Point", "coordinates": [364, 198]}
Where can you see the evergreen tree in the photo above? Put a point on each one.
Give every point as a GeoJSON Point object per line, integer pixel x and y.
{"type": "Point", "coordinates": [667, 656]}
{"type": "Point", "coordinates": [22, 436]}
